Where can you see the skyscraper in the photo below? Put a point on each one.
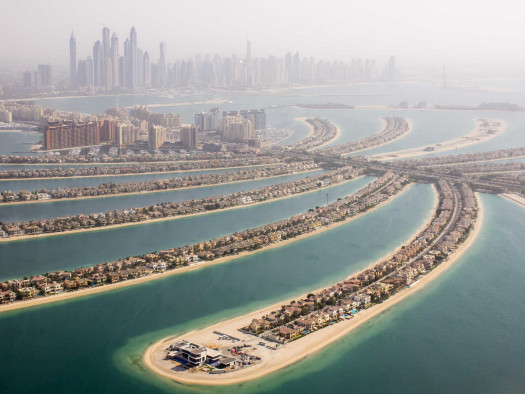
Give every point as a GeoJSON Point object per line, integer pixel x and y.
{"type": "Point", "coordinates": [97, 64]}
{"type": "Point", "coordinates": [147, 70]}
{"type": "Point", "coordinates": [115, 59]}
{"type": "Point", "coordinates": [162, 66]}
{"type": "Point", "coordinates": [73, 61]}
{"type": "Point", "coordinates": [127, 72]}
{"type": "Point", "coordinates": [189, 136]}
{"type": "Point", "coordinates": [105, 41]}
{"type": "Point", "coordinates": [89, 71]}
{"type": "Point", "coordinates": [134, 70]}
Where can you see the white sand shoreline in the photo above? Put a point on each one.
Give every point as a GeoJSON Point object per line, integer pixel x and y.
{"type": "Point", "coordinates": [476, 136]}
{"type": "Point", "coordinates": [149, 191]}
{"type": "Point", "coordinates": [115, 286]}
{"type": "Point", "coordinates": [515, 198]}
{"type": "Point", "coordinates": [408, 131]}
{"type": "Point", "coordinates": [169, 218]}
{"type": "Point", "coordinates": [312, 342]}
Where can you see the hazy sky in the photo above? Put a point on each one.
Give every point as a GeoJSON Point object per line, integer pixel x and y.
{"type": "Point", "coordinates": [455, 32]}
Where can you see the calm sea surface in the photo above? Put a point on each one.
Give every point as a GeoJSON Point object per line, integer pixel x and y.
{"type": "Point", "coordinates": [461, 333]}
{"type": "Point", "coordinates": [67, 251]}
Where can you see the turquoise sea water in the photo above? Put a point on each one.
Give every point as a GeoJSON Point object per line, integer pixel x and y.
{"type": "Point", "coordinates": [97, 342]}
{"type": "Point", "coordinates": [461, 333]}
{"type": "Point", "coordinates": [59, 208]}
{"type": "Point", "coordinates": [14, 142]}
{"type": "Point", "coordinates": [34, 184]}
{"type": "Point", "coordinates": [67, 251]}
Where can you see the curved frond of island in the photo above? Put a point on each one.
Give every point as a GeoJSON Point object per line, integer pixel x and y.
{"type": "Point", "coordinates": [40, 289]}
{"type": "Point", "coordinates": [394, 128]}
{"type": "Point", "coordinates": [263, 342]}
{"type": "Point", "coordinates": [155, 185]}
{"type": "Point", "coordinates": [174, 210]}
{"type": "Point", "coordinates": [485, 130]}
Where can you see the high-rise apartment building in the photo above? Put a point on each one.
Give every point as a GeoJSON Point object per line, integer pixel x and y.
{"type": "Point", "coordinates": [163, 80]}
{"type": "Point", "coordinates": [147, 70]}
{"type": "Point", "coordinates": [258, 117]}
{"type": "Point", "coordinates": [73, 61]}
{"type": "Point", "coordinates": [156, 136]}
{"type": "Point", "coordinates": [69, 134]}
{"type": "Point", "coordinates": [97, 64]}
{"type": "Point", "coordinates": [189, 136]}
{"type": "Point", "coordinates": [208, 121]}
{"type": "Point", "coordinates": [237, 128]}
{"type": "Point", "coordinates": [107, 130]}
{"type": "Point", "coordinates": [125, 134]}
{"type": "Point", "coordinates": [133, 67]}
{"type": "Point", "coordinates": [115, 59]}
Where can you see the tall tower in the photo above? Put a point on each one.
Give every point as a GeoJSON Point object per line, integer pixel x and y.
{"type": "Point", "coordinates": [134, 70]}
{"type": "Point", "coordinates": [147, 70]}
{"type": "Point", "coordinates": [105, 41]}
{"type": "Point", "coordinates": [162, 66]}
{"type": "Point", "coordinates": [73, 61]}
{"type": "Point", "coordinates": [444, 78]}
{"type": "Point", "coordinates": [115, 59]}
{"type": "Point", "coordinates": [97, 64]}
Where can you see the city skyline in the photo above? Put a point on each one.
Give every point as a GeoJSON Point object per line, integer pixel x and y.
{"type": "Point", "coordinates": [421, 35]}
{"type": "Point", "coordinates": [107, 70]}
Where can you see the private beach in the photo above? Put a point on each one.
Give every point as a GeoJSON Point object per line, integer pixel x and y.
{"type": "Point", "coordinates": [119, 285]}
{"type": "Point", "coordinates": [164, 219]}
{"type": "Point", "coordinates": [476, 136]}
{"type": "Point", "coordinates": [294, 351]}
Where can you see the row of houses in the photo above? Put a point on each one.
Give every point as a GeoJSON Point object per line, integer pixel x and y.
{"type": "Point", "coordinates": [394, 128]}
{"type": "Point", "coordinates": [210, 250]}
{"type": "Point", "coordinates": [324, 131]}
{"type": "Point", "coordinates": [130, 156]}
{"type": "Point", "coordinates": [145, 168]}
{"type": "Point", "coordinates": [170, 209]}
{"type": "Point", "coordinates": [376, 283]}
{"type": "Point", "coordinates": [159, 184]}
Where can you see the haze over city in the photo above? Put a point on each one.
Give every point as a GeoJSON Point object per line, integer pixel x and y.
{"type": "Point", "coordinates": [464, 35]}
{"type": "Point", "coordinates": [275, 196]}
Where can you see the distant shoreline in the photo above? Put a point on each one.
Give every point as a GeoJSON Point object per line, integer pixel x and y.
{"type": "Point", "coordinates": [383, 120]}
{"type": "Point", "coordinates": [476, 136]}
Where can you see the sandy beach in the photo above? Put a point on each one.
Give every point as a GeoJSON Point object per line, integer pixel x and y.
{"type": "Point", "coordinates": [515, 198]}
{"type": "Point", "coordinates": [474, 137]}
{"type": "Point", "coordinates": [336, 137]}
{"type": "Point", "coordinates": [114, 226]}
{"type": "Point", "coordinates": [409, 129]}
{"type": "Point", "coordinates": [312, 130]}
{"type": "Point", "coordinates": [297, 350]}
{"type": "Point", "coordinates": [95, 290]}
